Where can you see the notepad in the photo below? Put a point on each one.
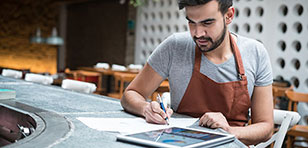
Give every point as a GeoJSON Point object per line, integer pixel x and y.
{"type": "Point", "coordinates": [7, 94]}
{"type": "Point", "coordinates": [131, 125]}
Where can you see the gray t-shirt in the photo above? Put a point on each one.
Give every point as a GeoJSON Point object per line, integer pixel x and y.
{"type": "Point", "coordinates": [174, 59]}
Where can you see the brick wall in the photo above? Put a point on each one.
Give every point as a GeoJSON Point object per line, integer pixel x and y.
{"type": "Point", "coordinates": [19, 20]}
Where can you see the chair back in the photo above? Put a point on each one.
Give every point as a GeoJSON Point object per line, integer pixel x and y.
{"type": "Point", "coordinates": [79, 86]}
{"type": "Point", "coordinates": [297, 130]}
{"type": "Point", "coordinates": [12, 73]}
{"type": "Point", "coordinates": [294, 98]}
{"type": "Point", "coordinates": [279, 89]}
{"type": "Point", "coordinates": [162, 88]}
{"type": "Point", "coordinates": [122, 78]}
{"type": "Point", "coordinates": [47, 80]}
{"type": "Point", "coordinates": [285, 119]}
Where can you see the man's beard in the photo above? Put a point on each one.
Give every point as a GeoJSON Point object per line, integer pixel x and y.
{"type": "Point", "coordinates": [215, 44]}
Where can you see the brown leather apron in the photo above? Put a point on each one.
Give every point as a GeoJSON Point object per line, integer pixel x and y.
{"type": "Point", "coordinates": [205, 95]}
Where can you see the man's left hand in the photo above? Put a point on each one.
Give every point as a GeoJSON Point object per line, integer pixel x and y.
{"type": "Point", "coordinates": [214, 120]}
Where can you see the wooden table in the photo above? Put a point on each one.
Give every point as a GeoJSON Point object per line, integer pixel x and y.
{"type": "Point", "coordinates": [164, 86]}
{"type": "Point", "coordinates": [109, 73]}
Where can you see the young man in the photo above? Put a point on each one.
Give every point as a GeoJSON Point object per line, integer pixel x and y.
{"type": "Point", "coordinates": [213, 74]}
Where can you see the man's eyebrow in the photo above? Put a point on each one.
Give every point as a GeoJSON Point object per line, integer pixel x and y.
{"type": "Point", "coordinates": [203, 21]}
{"type": "Point", "coordinates": [189, 19]}
{"type": "Point", "coordinates": [208, 20]}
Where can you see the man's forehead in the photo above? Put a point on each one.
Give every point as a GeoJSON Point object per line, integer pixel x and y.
{"type": "Point", "coordinates": [205, 8]}
{"type": "Point", "coordinates": [202, 12]}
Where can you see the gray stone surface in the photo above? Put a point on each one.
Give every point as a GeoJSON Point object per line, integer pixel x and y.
{"type": "Point", "coordinates": [71, 105]}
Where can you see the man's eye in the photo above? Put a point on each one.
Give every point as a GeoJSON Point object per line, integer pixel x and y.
{"type": "Point", "coordinates": [207, 23]}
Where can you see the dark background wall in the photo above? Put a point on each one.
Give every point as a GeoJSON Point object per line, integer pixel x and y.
{"type": "Point", "coordinates": [93, 31]}
{"type": "Point", "coordinates": [19, 20]}
{"type": "Point", "coordinates": [96, 32]}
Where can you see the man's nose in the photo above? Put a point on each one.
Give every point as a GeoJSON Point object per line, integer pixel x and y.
{"type": "Point", "coordinates": [200, 31]}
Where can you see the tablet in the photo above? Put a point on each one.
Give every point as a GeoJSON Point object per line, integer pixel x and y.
{"type": "Point", "coordinates": [177, 137]}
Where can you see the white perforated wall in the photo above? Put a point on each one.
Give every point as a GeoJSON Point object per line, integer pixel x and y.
{"type": "Point", "coordinates": [282, 25]}
{"type": "Point", "coordinates": [156, 20]}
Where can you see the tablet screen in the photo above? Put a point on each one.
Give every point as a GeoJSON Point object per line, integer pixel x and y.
{"type": "Point", "coordinates": [177, 136]}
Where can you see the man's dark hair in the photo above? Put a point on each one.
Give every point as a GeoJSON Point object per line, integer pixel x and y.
{"type": "Point", "coordinates": [223, 4]}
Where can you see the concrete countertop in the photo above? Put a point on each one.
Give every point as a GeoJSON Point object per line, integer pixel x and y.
{"type": "Point", "coordinates": [71, 105]}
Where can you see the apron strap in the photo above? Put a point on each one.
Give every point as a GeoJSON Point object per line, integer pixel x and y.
{"type": "Point", "coordinates": [197, 58]}
{"type": "Point", "coordinates": [238, 58]}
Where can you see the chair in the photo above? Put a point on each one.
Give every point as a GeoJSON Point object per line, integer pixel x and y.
{"type": "Point", "coordinates": [121, 78]}
{"type": "Point", "coordinates": [78, 86]}
{"type": "Point", "coordinates": [12, 73]}
{"type": "Point", "coordinates": [47, 80]}
{"type": "Point", "coordinates": [285, 119]}
{"type": "Point", "coordinates": [279, 89]}
{"type": "Point", "coordinates": [297, 130]}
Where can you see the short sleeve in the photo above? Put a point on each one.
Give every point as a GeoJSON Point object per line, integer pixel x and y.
{"type": "Point", "coordinates": [264, 76]}
{"type": "Point", "coordinates": [160, 59]}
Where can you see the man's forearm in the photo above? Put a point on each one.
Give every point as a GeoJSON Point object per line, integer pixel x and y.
{"type": "Point", "coordinates": [133, 102]}
{"type": "Point", "coordinates": [253, 134]}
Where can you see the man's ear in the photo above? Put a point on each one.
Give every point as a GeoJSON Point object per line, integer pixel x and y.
{"type": "Point", "coordinates": [229, 15]}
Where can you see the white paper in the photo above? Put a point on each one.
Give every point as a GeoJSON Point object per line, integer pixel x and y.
{"type": "Point", "coordinates": [131, 125]}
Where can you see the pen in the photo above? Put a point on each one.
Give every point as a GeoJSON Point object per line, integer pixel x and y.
{"type": "Point", "coordinates": [162, 107]}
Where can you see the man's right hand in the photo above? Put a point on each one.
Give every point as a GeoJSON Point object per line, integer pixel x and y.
{"type": "Point", "coordinates": [154, 114]}
{"type": "Point", "coordinates": [134, 97]}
